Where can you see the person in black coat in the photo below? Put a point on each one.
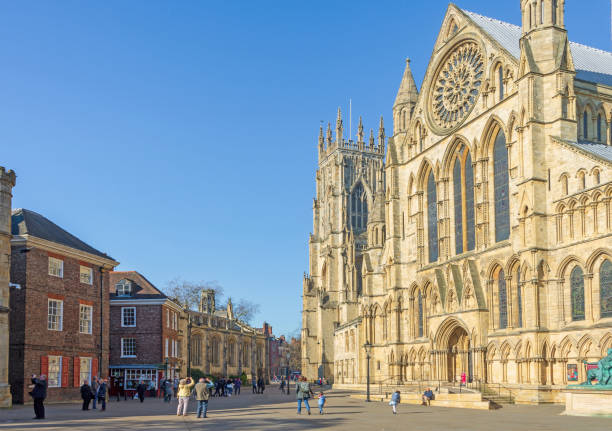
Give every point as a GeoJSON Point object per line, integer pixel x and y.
{"type": "Point", "coordinates": [141, 388]}
{"type": "Point", "coordinates": [86, 394]}
{"type": "Point", "coordinates": [39, 393]}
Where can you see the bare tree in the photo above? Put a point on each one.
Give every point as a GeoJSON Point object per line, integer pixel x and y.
{"type": "Point", "coordinates": [295, 353]}
{"type": "Point", "coordinates": [187, 293]}
{"type": "Point", "coordinates": [245, 310]}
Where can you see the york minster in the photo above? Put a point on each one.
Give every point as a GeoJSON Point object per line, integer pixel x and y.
{"type": "Point", "coordinates": [472, 235]}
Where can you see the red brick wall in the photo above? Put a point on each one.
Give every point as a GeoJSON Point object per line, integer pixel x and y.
{"type": "Point", "coordinates": [147, 333]}
{"type": "Point", "coordinates": [30, 338]}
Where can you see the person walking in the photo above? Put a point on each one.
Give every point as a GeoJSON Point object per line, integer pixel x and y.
{"type": "Point", "coordinates": [140, 389]}
{"type": "Point", "coordinates": [167, 390]}
{"type": "Point", "coordinates": [39, 393]}
{"type": "Point", "coordinates": [254, 383]}
{"type": "Point", "coordinates": [202, 396]}
{"type": "Point", "coordinates": [321, 402]}
{"type": "Point", "coordinates": [86, 394]}
{"type": "Point", "coordinates": [184, 391]}
{"type": "Point", "coordinates": [101, 393]}
{"type": "Point", "coordinates": [282, 385]}
{"type": "Point", "coordinates": [395, 400]}
{"type": "Point", "coordinates": [237, 386]}
{"type": "Point", "coordinates": [262, 385]}
{"type": "Point", "coordinates": [304, 392]}
{"type": "Point", "coordinates": [94, 389]}
{"type": "Point", "coordinates": [463, 379]}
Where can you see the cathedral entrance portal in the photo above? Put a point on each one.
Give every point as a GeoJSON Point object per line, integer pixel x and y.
{"type": "Point", "coordinates": [458, 354]}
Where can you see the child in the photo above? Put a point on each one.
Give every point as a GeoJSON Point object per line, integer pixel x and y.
{"type": "Point", "coordinates": [395, 400]}
{"type": "Point", "coordinates": [321, 402]}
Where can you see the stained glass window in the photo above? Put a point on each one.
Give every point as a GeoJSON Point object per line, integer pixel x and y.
{"type": "Point", "coordinates": [519, 298]}
{"type": "Point", "coordinates": [420, 311]}
{"type": "Point", "coordinates": [605, 289]}
{"type": "Point", "coordinates": [432, 218]}
{"type": "Point", "coordinates": [585, 122]}
{"type": "Point", "coordinates": [577, 293]}
{"type": "Point", "coordinates": [469, 203]}
{"type": "Point", "coordinates": [457, 183]}
{"type": "Point", "coordinates": [599, 127]}
{"type": "Point", "coordinates": [503, 299]}
{"type": "Point", "coordinates": [463, 188]}
{"type": "Point", "coordinates": [501, 188]}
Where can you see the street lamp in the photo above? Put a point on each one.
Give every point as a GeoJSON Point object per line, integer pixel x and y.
{"type": "Point", "coordinates": [288, 370]}
{"type": "Point", "coordinates": [368, 349]}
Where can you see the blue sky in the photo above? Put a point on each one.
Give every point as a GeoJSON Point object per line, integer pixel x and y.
{"type": "Point", "coordinates": [180, 137]}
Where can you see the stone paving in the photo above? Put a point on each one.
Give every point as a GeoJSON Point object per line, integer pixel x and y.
{"type": "Point", "coordinates": [276, 411]}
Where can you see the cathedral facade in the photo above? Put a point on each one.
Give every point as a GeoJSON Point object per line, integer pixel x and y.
{"type": "Point", "coordinates": [480, 241]}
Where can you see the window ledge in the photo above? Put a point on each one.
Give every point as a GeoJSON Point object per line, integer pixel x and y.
{"type": "Point", "coordinates": [128, 356]}
{"type": "Point", "coordinates": [128, 326]}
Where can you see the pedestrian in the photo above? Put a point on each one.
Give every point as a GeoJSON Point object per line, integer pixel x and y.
{"type": "Point", "coordinates": [229, 386]}
{"type": "Point", "coordinates": [395, 400]}
{"type": "Point", "coordinates": [86, 394]}
{"type": "Point", "coordinates": [303, 394]}
{"type": "Point", "coordinates": [237, 386]}
{"type": "Point", "coordinates": [217, 388]}
{"type": "Point", "coordinates": [262, 385]}
{"type": "Point", "coordinates": [184, 391]}
{"type": "Point", "coordinates": [202, 395]}
{"type": "Point", "coordinates": [94, 388]}
{"type": "Point", "coordinates": [254, 383]}
{"type": "Point", "coordinates": [463, 379]}
{"type": "Point", "coordinates": [175, 387]}
{"type": "Point", "coordinates": [167, 391]}
{"type": "Point", "coordinates": [140, 389]}
{"type": "Point", "coordinates": [39, 393]}
{"type": "Point", "coordinates": [101, 393]}
{"type": "Point", "coordinates": [282, 385]}
{"type": "Point", "coordinates": [321, 402]}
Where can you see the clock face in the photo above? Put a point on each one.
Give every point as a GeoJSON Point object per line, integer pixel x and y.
{"type": "Point", "coordinates": [456, 86]}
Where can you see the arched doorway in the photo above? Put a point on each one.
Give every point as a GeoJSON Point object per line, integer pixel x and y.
{"type": "Point", "coordinates": [458, 354]}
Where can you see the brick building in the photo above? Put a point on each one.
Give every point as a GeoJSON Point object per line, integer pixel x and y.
{"type": "Point", "coordinates": [59, 307]}
{"type": "Point", "coordinates": [145, 342]}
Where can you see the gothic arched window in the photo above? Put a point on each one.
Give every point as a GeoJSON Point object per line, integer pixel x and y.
{"type": "Point", "coordinates": [432, 218]}
{"type": "Point", "coordinates": [503, 299]}
{"type": "Point", "coordinates": [501, 188]}
{"type": "Point", "coordinates": [577, 293]}
{"type": "Point", "coordinates": [599, 127]}
{"type": "Point", "coordinates": [585, 124]}
{"type": "Point", "coordinates": [420, 315]}
{"type": "Point", "coordinates": [215, 351]}
{"type": "Point", "coordinates": [358, 208]}
{"type": "Point", "coordinates": [605, 289]}
{"type": "Point", "coordinates": [519, 298]}
{"type": "Point", "coordinates": [463, 188]}
{"type": "Point", "coordinates": [554, 12]}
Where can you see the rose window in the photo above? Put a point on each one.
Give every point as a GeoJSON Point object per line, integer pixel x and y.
{"type": "Point", "coordinates": [456, 88]}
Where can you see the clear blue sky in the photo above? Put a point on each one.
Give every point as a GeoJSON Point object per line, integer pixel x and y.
{"type": "Point", "coordinates": [180, 137]}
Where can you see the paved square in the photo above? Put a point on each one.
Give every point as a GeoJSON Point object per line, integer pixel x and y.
{"type": "Point", "coordinates": [275, 411]}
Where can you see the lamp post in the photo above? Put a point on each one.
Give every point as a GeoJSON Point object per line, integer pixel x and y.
{"type": "Point", "coordinates": [288, 371]}
{"type": "Point", "coordinates": [367, 347]}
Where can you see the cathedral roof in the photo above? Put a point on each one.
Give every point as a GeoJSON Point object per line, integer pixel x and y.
{"type": "Point", "coordinates": [601, 151]}
{"type": "Point", "coordinates": [592, 64]}
{"type": "Point", "coordinates": [408, 91]}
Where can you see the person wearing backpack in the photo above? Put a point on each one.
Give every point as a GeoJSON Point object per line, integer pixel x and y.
{"type": "Point", "coordinates": [395, 400]}
{"type": "Point", "coordinates": [303, 394]}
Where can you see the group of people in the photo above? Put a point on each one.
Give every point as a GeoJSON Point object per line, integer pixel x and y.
{"type": "Point", "coordinates": [259, 385]}
{"type": "Point", "coordinates": [427, 397]}
{"type": "Point", "coordinates": [227, 387]}
{"type": "Point", "coordinates": [96, 391]}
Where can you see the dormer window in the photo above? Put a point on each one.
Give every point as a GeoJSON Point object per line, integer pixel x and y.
{"type": "Point", "coordinates": [124, 288]}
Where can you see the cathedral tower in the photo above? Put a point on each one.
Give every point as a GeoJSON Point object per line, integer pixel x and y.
{"type": "Point", "coordinates": [348, 177]}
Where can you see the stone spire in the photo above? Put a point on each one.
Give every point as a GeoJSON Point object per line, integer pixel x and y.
{"type": "Point", "coordinates": [407, 92]}
{"type": "Point", "coordinates": [378, 212]}
{"type": "Point", "coordinates": [371, 138]}
{"type": "Point", "coordinates": [321, 139]}
{"type": "Point", "coordinates": [381, 135]}
{"type": "Point", "coordinates": [339, 128]}
{"type": "Point", "coordinates": [329, 135]}
{"type": "Point", "coordinates": [360, 131]}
